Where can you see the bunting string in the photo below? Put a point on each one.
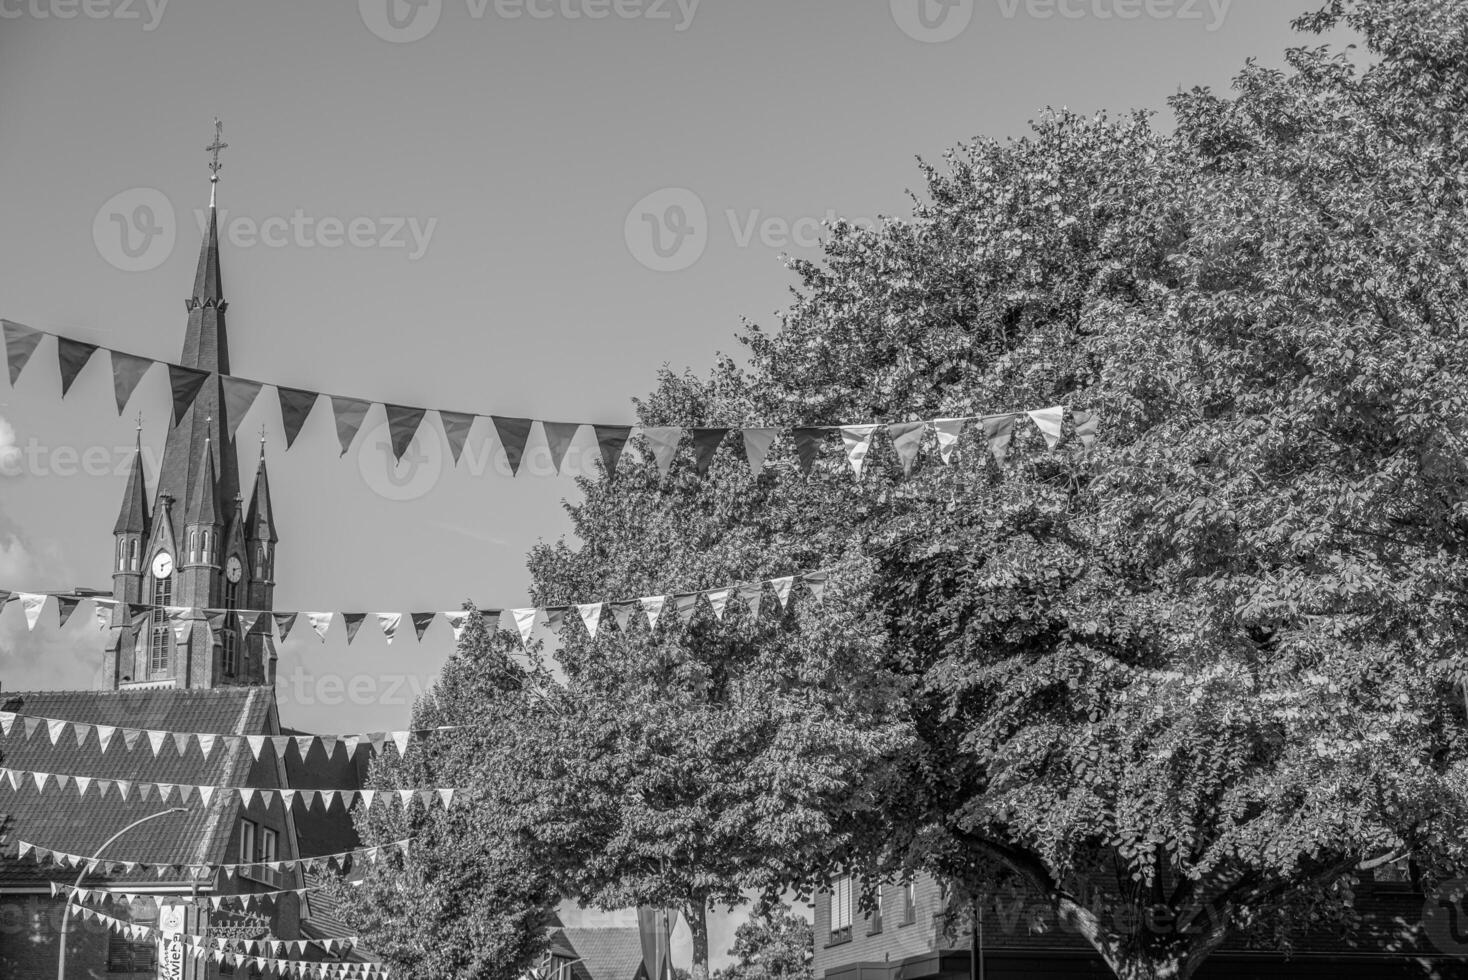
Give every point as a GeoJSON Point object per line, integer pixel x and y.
{"type": "Point", "coordinates": [60, 730]}
{"type": "Point", "coordinates": [316, 864]}
{"type": "Point", "coordinates": [648, 609]}
{"type": "Point", "coordinates": [245, 901]}
{"type": "Point", "coordinates": [265, 945]}
{"type": "Point", "coordinates": [142, 791]}
{"type": "Point", "coordinates": [663, 442]}
{"type": "Point", "coordinates": [260, 953]}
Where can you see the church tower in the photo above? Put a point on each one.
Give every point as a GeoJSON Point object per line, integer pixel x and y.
{"type": "Point", "coordinates": [180, 571]}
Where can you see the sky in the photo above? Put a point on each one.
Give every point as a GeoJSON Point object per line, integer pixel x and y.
{"type": "Point", "coordinates": [524, 207]}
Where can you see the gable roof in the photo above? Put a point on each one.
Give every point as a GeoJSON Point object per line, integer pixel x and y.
{"type": "Point", "coordinates": [606, 953]}
{"type": "Point", "coordinates": [56, 820]}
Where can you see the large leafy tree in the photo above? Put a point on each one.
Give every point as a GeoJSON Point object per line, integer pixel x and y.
{"type": "Point", "coordinates": [1216, 659]}
{"type": "Point", "coordinates": [774, 945]}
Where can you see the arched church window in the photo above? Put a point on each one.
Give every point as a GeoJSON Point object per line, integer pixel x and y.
{"type": "Point", "coordinates": [193, 546]}
{"type": "Point", "coordinates": [229, 653]}
{"type": "Point", "coordinates": [132, 554]}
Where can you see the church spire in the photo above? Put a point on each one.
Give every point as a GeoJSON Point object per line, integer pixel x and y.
{"type": "Point", "coordinates": [260, 524]}
{"type": "Point", "coordinates": [203, 505]}
{"type": "Point", "coordinates": [133, 517]}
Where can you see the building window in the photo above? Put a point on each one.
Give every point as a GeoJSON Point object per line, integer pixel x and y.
{"type": "Point", "coordinates": [125, 956]}
{"type": "Point", "coordinates": [909, 903]}
{"type": "Point", "coordinates": [269, 845]}
{"type": "Point", "coordinates": [231, 595]}
{"type": "Point", "coordinates": [132, 554]}
{"type": "Point", "coordinates": [193, 546]}
{"type": "Point", "coordinates": [874, 920]}
{"type": "Point", "coordinates": [121, 555]}
{"type": "Point", "coordinates": [229, 655]}
{"type": "Point", "coordinates": [841, 910]}
{"type": "Point", "coordinates": [160, 649]}
{"type": "Point", "coordinates": [208, 549]}
{"type": "Point", "coordinates": [247, 842]}
{"type": "Point", "coordinates": [163, 591]}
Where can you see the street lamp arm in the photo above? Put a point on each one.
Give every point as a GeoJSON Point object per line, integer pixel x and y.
{"type": "Point", "coordinates": [76, 886]}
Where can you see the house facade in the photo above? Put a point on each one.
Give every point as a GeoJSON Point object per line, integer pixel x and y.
{"type": "Point", "coordinates": [915, 934]}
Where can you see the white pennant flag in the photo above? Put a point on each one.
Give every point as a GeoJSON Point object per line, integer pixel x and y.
{"type": "Point", "coordinates": [257, 743]}
{"type": "Point", "coordinates": [54, 728]}
{"type": "Point", "coordinates": [947, 431]}
{"type": "Point", "coordinates": [858, 441]}
{"type": "Point", "coordinates": [400, 739]}
{"type": "Point", "coordinates": [389, 623]}
{"type": "Point", "coordinates": [7, 721]}
{"type": "Point", "coordinates": [320, 622]}
{"type": "Point", "coordinates": [525, 622]}
{"type": "Point", "coordinates": [83, 783]}
{"type": "Point", "coordinates": [446, 796]}
{"type": "Point", "coordinates": [32, 603]}
{"type": "Point", "coordinates": [590, 617]}
{"type": "Point", "coordinates": [155, 739]}
{"type": "Point", "coordinates": [1050, 422]}
{"type": "Point", "coordinates": [782, 587]}
{"type": "Point", "coordinates": [456, 621]}
{"type": "Point", "coordinates": [652, 605]}
{"type": "Point", "coordinates": [104, 736]}
{"type": "Point", "coordinates": [206, 743]}
{"type": "Point", "coordinates": [719, 601]}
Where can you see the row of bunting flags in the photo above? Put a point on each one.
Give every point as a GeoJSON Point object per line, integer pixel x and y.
{"type": "Point", "coordinates": [650, 609]}
{"type": "Point", "coordinates": [264, 946]}
{"type": "Point", "coordinates": [219, 950]}
{"type": "Point", "coordinates": [245, 901]}
{"type": "Point", "coordinates": [319, 864]}
{"type": "Point", "coordinates": [403, 421]}
{"type": "Point", "coordinates": [161, 742]}
{"type": "Point", "coordinates": [165, 793]}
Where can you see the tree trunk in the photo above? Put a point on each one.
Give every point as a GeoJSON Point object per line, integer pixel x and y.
{"type": "Point", "coordinates": [698, 925]}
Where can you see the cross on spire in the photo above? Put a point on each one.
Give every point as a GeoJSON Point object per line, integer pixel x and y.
{"type": "Point", "coordinates": [213, 150]}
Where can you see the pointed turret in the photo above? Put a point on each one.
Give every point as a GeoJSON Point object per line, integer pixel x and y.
{"type": "Point", "coordinates": [260, 524]}
{"type": "Point", "coordinates": [203, 508]}
{"type": "Point", "coordinates": [133, 517]}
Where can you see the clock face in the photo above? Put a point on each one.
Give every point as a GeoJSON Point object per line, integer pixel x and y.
{"type": "Point", "coordinates": [162, 565]}
{"type": "Point", "coordinates": [233, 569]}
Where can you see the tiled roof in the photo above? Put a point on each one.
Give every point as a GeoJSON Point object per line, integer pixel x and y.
{"type": "Point", "coordinates": [606, 953]}
{"type": "Point", "coordinates": [62, 821]}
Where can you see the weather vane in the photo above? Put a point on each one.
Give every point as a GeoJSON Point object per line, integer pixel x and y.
{"type": "Point", "coordinates": [213, 150]}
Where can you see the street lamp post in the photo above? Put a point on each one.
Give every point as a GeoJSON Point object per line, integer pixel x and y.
{"type": "Point", "coordinates": [66, 909]}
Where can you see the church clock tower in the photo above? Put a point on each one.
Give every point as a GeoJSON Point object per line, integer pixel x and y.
{"type": "Point", "coordinates": [180, 571]}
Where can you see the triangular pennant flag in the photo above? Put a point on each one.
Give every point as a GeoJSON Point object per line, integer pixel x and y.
{"type": "Point", "coordinates": [757, 443]}
{"type": "Point", "coordinates": [525, 623]}
{"type": "Point", "coordinates": [389, 623]}
{"type": "Point", "coordinates": [185, 383]}
{"type": "Point", "coordinates": [513, 433]}
{"type": "Point", "coordinates": [155, 740]}
{"type": "Point", "coordinates": [83, 783]}
{"type": "Point", "coordinates": [282, 744]}
{"type": "Point", "coordinates": [664, 442]}
{"type": "Point", "coordinates": [686, 605]}
{"type": "Point", "coordinates": [947, 431]}
{"type": "Point", "coordinates": [354, 623]}
{"type": "Point", "coordinates": [907, 439]}
{"type": "Point", "coordinates": [320, 622]}
{"type": "Point", "coordinates": [20, 344]}
{"type": "Point", "coordinates": [1050, 422]}
{"type": "Point", "coordinates": [808, 446]}
{"type": "Point", "coordinates": [349, 413]}
{"type": "Point", "coordinates": [239, 397]}
{"type": "Point", "coordinates": [295, 407]}
{"type": "Point", "coordinates": [705, 443]}
{"type": "Point", "coordinates": [456, 426]}
{"type": "Point", "coordinates": [555, 619]}
{"type": "Point", "coordinates": [751, 596]}
{"type": "Point", "coordinates": [72, 356]}
{"type": "Point", "coordinates": [421, 622]}
{"type": "Point", "coordinates": [652, 605]}
{"type": "Point", "coordinates": [402, 426]}
{"type": "Point", "coordinates": [858, 440]}
{"type": "Point", "coordinates": [54, 728]}
{"type": "Point", "coordinates": [998, 432]}
{"type": "Point", "coordinates": [249, 620]}
{"type": "Point", "coordinates": [400, 741]}
{"type": "Point", "coordinates": [719, 601]}
{"type": "Point", "coordinates": [1087, 425]}
{"type": "Point", "coordinates": [104, 736]}
{"type": "Point", "coordinates": [7, 722]}
{"type": "Point", "coordinates": [457, 621]}
{"type": "Point", "coordinates": [181, 629]}
{"type": "Point", "coordinates": [558, 439]}
{"type": "Point", "coordinates": [206, 794]}
{"type": "Point", "coordinates": [283, 623]}
{"type": "Point", "coordinates": [611, 440]}
{"type": "Point", "coordinates": [622, 613]}
{"type": "Point", "coordinates": [816, 582]}
{"type": "Point", "coordinates": [130, 737]}
{"type": "Point", "coordinates": [32, 603]}
{"type": "Point", "coordinates": [206, 743]}
{"type": "Point", "coordinates": [31, 723]}
{"type": "Point", "coordinates": [590, 617]}
{"type": "Point", "coordinates": [66, 605]}
{"type": "Point", "coordinates": [782, 587]}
